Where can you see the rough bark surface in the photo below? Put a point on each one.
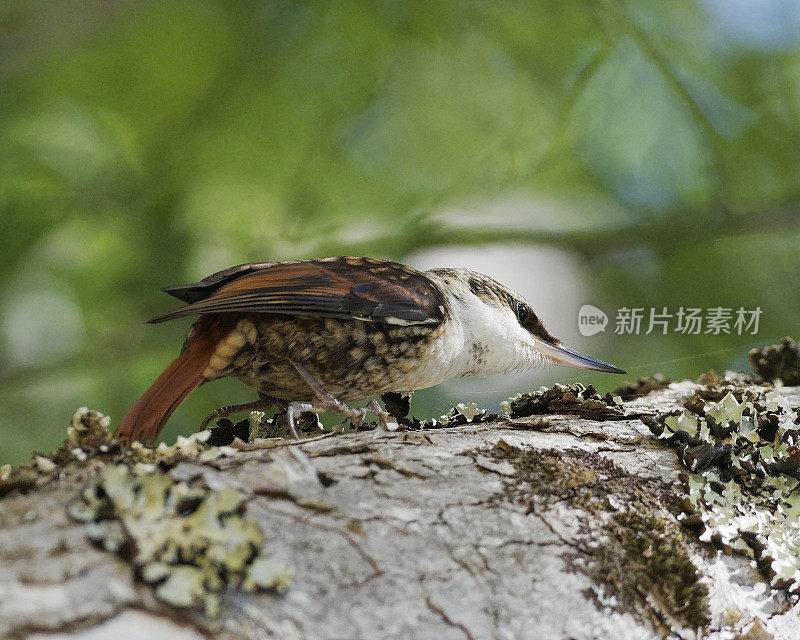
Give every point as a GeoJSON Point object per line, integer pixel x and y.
{"type": "Point", "coordinates": [525, 528]}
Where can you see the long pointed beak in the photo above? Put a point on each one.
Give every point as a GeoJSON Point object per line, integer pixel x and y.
{"type": "Point", "coordinates": [560, 354]}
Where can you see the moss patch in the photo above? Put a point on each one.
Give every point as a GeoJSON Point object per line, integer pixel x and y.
{"type": "Point", "coordinates": [646, 554]}
{"type": "Point", "coordinates": [632, 545]}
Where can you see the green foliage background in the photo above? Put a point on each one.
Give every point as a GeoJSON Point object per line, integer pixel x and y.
{"type": "Point", "coordinates": [152, 142]}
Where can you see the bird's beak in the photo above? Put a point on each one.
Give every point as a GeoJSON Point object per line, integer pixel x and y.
{"type": "Point", "coordinates": [559, 354]}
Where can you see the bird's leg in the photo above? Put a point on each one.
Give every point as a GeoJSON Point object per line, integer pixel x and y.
{"type": "Point", "coordinates": [324, 401]}
{"type": "Point", "coordinates": [264, 402]}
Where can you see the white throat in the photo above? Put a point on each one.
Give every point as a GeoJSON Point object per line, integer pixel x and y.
{"type": "Point", "coordinates": [477, 338]}
{"type": "Point", "coordinates": [493, 340]}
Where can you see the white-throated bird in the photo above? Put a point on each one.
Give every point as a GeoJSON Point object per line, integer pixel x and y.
{"type": "Point", "coordinates": [313, 335]}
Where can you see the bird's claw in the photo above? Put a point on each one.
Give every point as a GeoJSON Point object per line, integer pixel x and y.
{"type": "Point", "coordinates": [211, 417]}
{"type": "Point", "coordinates": [356, 416]}
{"type": "Point", "coordinates": [324, 401]}
{"type": "Point", "coordinates": [264, 402]}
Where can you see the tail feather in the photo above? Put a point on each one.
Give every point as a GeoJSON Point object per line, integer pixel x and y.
{"type": "Point", "coordinates": [147, 416]}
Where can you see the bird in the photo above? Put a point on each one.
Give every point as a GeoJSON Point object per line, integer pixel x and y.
{"type": "Point", "coordinates": [318, 335]}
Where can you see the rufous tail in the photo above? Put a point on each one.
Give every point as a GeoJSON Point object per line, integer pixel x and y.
{"type": "Point", "coordinates": [147, 416]}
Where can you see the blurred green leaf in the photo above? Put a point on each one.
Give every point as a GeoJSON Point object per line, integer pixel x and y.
{"type": "Point", "coordinates": [652, 146]}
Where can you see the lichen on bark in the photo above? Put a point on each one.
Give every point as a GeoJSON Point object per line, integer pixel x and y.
{"type": "Point", "coordinates": [556, 526]}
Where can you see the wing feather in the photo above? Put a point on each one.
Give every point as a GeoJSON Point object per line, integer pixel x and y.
{"type": "Point", "coordinates": [345, 287]}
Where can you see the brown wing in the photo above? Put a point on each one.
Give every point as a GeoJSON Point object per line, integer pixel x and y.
{"type": "Point", "coordinates": [355, 288]}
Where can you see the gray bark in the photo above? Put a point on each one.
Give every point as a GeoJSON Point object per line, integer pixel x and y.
{"type": "Point", "coordinates": [432, 534]}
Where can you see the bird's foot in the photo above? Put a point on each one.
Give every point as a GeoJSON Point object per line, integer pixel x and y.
{"type": "Point", "coordinates": [334, 405]}
{"type": "Point", "coordinates": [263, 403]}
{"type": "Point", "coordinates": [324, 401]}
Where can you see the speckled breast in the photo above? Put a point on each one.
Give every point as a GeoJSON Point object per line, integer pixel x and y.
{"type": "Point", "coordinates": [352, 359]}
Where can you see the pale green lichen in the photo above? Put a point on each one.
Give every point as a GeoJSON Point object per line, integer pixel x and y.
{"type": "Point", "coordinates": [192, 447]}
{"type": "Point", "coordinates": [745, 470]}
{"type": "Point", "coordinates": [461, 414]}
{"type": "Point", "coordinates": [87, 423]}
{"type": "Point", "coordinates": [187, 541]}
{"type": "Point", "coordinates": [267, 572]}
{"type": "Point", "coordinates": [467, 409]}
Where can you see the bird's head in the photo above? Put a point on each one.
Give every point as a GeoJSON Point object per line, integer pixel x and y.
{"type": "Point", "coordinates": [501, 331]}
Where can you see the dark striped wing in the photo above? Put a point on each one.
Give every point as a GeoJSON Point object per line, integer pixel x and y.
{"type": "Point", "coordinates": [349, 288]}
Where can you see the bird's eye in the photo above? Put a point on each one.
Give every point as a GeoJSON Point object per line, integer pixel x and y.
{"type": "Point", "coordinates": [523, 312]}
